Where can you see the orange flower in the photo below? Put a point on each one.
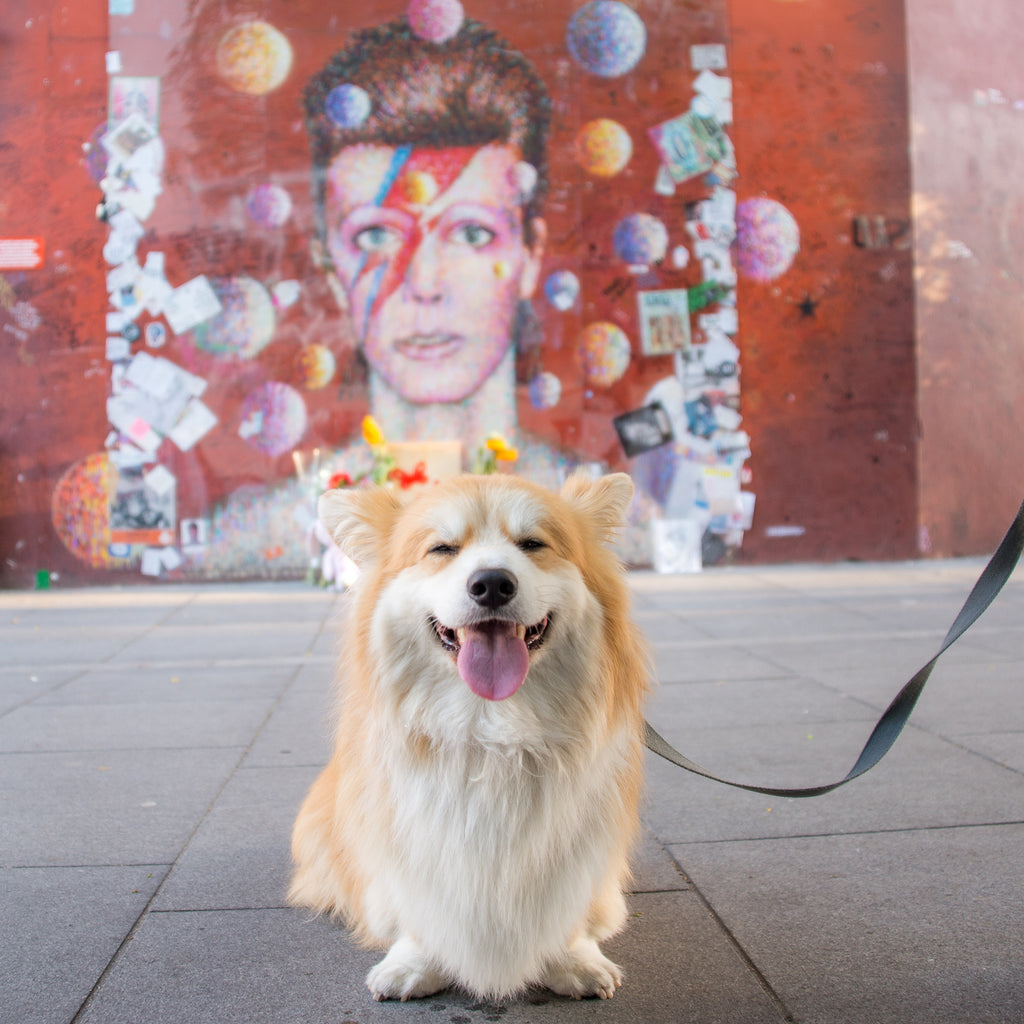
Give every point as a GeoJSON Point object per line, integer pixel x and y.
{"type": "Point", "coordinates": [501, 448]}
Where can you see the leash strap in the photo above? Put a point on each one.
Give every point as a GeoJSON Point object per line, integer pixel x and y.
{"type": "Point", "coordinates": [890, 725]}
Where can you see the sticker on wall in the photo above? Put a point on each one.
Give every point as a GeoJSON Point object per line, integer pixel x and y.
{"type": "Point", "coordinates": [143, 506]}
{"type": "Point", "coordinates": [708, 55]}
{"type": "Point", "coordinates": [664, 321]}
{"type": "Point", "coordinates": [643, 429]}
{"type": "Point", "coordinates": [689, 145]}
{"type": "Point", "coordinates": [195, 533]}
{"type": "Point", "coordinates": [125, 139]}
{"type": "Point", "coordinates": [712, 101]}
{"type": "Point", "coordinates": [22, 253]}
{"type": "Point", "coordinates": [134, 94]}
{"type": "Point", "coordinates": [194, 423]}
{"type": "Point", "coordinates": [244, 324]}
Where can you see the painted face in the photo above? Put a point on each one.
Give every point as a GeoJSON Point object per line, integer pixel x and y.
{"type": "Point", "coordinates": [428, 246]}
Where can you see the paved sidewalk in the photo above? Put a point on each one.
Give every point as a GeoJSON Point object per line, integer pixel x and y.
{"type": "Point", "coordinates": [155, 744]}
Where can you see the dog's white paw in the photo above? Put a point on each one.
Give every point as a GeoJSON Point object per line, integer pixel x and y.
{"type": "Point", "coordinates": [405, 973]}
{"type": "Point", "coordinates": [583, 970]}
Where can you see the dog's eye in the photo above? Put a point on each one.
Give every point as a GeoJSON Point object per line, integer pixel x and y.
{"type": "Point", "coordinates": [443, 549]}
{"type": "Point", "coordinates": [530, 544]}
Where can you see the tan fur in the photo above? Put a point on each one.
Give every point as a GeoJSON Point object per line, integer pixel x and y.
{"type": "Point", "coordinates": [485, 842]}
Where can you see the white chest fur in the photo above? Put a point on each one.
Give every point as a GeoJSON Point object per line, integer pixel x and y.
{"type": "Point", "coordinates": [493, 858]}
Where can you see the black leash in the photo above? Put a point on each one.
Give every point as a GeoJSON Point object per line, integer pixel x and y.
{"type": "Point", "coordinates": [890, 725]}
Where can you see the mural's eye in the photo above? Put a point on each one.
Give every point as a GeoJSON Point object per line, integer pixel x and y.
{"type": "Point", "coordinates": [378, 238]}
{"type": "Point", "coordinates": [476, 236]}
{"type": "Point", "coordinates": [531, 544]}
{"type": "Point", "coordinates": [446, 550]}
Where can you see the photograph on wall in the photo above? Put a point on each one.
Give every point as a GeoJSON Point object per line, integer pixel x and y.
{"type": "Point", "coordinates": [134, 94]}
{"type": "Point", "coordinates": [143, 508]}
{"type": "Point", "coordinates": [664, 321]}
{"type": "Point", "coordinates": [643, 429]}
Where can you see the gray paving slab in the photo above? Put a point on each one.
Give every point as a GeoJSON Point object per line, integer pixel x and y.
{"type": "Point", "coordinates": [139, 725]}
{"type": "Point", "coordinates": [279, 967]}
{"type": "Point", "coordinates": [221, 641]}
{"type": "Point", "coordinates": [782, 618]}
{"type": "Point", "coordinates": [924, 782]}
{"type": "Point", "coordinates": [654, 869]}
{"type": "Point", "coordinates": [239, 857]}
{"type": "Point", "coordinates": [316, 671]}
{"type": "Point", "coordinates": [930, 611]}
{"type": "Point", "coordinates": [52, 647]}
{"type": "Point", "coordinates": [922, 927]}
{"type": "Point", "coordinates": [37, 613]}
{"type": "Point", "coordinates": [892, 655]}
{"type": "Point", "coordinates": [1002, 748]}
{"type": "Point", "coordinates": [20, 685]}
{"type": "Point", "coordinates": [681, 662]}
{"type": "Point", "coordinates": [60, 928]}
{"type": "Point", "coordinates": [330, 643]}
{"type": "Point", "coordinates": [659, 625]}
{"type": "Point", "coordinates": [299, 732]}
{"type": "Point", "coordinates": [731, 703]}
{"type": "Point", "coordinates": [107, 806]}
{"type": "Point", "coordinates": [994, 643]}
{"type": "Point", "coordinates": [137, 684]}
{"type": "Point", "coordinates": [973, 698]}
{"type": "Point", "coordinates": [269, 607]}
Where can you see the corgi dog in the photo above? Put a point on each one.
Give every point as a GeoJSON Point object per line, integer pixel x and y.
{"type": "Point", "coordinates": [478, 811]}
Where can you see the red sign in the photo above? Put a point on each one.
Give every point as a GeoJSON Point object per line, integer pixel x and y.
{"type": "Point", "coordinates": [21, 253]}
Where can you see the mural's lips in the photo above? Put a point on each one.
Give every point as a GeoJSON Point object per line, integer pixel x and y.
{"type": "Point", "coordinates": [426, 347]}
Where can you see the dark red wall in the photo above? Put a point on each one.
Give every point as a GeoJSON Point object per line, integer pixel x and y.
{"type": "Point", "coordinates": [53, 90]}
{"type": "Point", "coordinates": [828, 349]}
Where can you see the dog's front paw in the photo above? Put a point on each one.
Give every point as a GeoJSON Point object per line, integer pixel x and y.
{"type": "Point", "coordinates": [405, 973]}
{"type": "Point", "coordinates": [583, 970]}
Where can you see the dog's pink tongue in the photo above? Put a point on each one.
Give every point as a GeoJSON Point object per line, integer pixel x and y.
{"type": "Point", "coordinates": [493, 661]}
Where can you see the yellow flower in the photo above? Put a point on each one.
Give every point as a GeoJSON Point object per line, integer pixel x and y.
{"type": "Point", "coordinates": [496, 442]}
{"type": "Point", "coordinates": [372, 434]}
{"type": "Point", "coordinates": [507, 454]}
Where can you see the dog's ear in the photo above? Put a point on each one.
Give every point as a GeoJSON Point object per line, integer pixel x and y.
{"type": "Point", "coordinates": [359, 520]}
{"type": "Point", "coordinates": [604, 501]}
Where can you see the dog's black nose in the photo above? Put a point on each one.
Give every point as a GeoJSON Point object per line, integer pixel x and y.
{"type": "Point", "coordinates": [491, 588]}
